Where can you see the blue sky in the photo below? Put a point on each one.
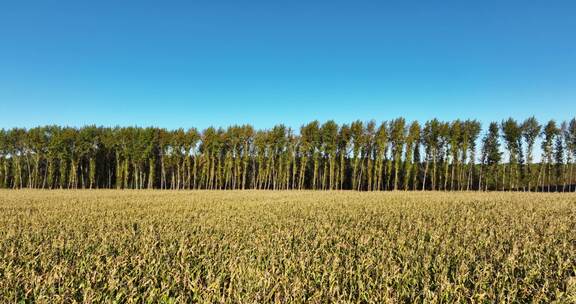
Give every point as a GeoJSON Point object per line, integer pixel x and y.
{"type": "Point", "coordinates": [199, 63]}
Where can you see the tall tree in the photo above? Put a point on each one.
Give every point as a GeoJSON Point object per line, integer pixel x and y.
{"type": "Point", "coordinates": [329, 139]}
{"type": "Point", "coordinates": [549, 134]}
{"type": "Point", "coordinates": [455, 147]}
{"type": "Point", "coordinates": [310, 140]}
{"type": "Point", "coordinates": [344, 137]}
{"type": "Point", "coordinates": [444, 148]}
{"type": "Point", "coordinates": [530, 132]}
{"type": "Point", "coordinates": [37, 147]}
{"type": "Point", "coordinates": [559, 162]}
{"type": "Point", "coordinates": [4, 171]}
{"type": "Point", "coordinates": [412, 142]}
{"type": "Point", "coordinates": [491, 156]}
{"type": "Point", "coordinates": [357, 136]}
{"type": "Point", "coordinates": [570, 138]}
{"type": "Point", "coordinates": [367, 164]}
{"type": "Point", "coordinates": [381, 148]}
{"type": "Point", "coordinates": [431, 134]}
{"type": "Point", "coordinates": [512, 134]}
{"type": "Point", "coordinates": [472, 132]}
{"type": "Point", "coordinates": [397, 137]}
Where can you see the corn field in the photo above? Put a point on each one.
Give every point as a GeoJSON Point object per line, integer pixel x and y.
{"type": "Point", "coordinates": [286, 246]}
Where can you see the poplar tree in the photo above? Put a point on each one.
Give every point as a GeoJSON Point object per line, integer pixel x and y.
{"type": "Point", "coordinates": [530, 132]}
{"type": "Point", "coordinates": [397, 137]}
{"type": "Point", "coordinates": [559, 162]}
{"type": "Point", "coordinates": [455, 146]}
{"type": "Point", "coordinates": [329, 139]}
{"type": "Point", "coordinates": [549, 134]}
{"type": "Point", "coordinates": [431, 134]}
{"type": "Point", "coordinates": [4, 172]}
{"type": "Point", "coordinates": [512, 135]}
{"type": "Point", "coordinates": [491, 155]}
{"type": "Point", "coordinates": [473, 131]}
{"type": "Point", "coordinates": [357, 132]}
{"type": "Point", "coordinates": [570, 138]}
{"type": "Point", "coordinates": [343, 152]}
{"type": "Point", "coordinates": [381, 148]}
{"type": "Point", "coordinates": [367, 164]}
{"type": "Point", "coordinates": [412, 142]}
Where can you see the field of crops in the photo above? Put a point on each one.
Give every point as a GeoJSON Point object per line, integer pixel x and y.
{"type": "Point", "coordinates": [260, 247]}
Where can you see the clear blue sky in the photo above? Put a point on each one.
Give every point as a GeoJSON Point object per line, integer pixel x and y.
{"type": "Point", "coordinates": [199, 63]}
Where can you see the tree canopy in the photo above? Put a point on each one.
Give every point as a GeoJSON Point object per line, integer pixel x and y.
{"type": "Point", "coordinates": [366, 156]}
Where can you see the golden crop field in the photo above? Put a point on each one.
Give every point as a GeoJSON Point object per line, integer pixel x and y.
{"type": "Point", "coordinates": [289, 247]}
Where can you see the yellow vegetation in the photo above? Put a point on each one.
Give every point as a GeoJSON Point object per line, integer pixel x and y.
{"type": "Point", "coordinates": [260, 247]}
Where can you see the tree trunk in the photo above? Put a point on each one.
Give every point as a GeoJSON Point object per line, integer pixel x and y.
{"type": "Point", "coordinates": [396, 165]}
{"type": "Point", "coordinates": [119, 171]}
{"type": "Point", "coordinates": [92, 173]}
{"type": "Point", "coordinates": [425, 173]}
{"type": "Point", "coordinates": [434, 173]}
{"type": "Point", "coordinates": [354, 173]}
{"type": "Point", "coordinates": [151, 173]}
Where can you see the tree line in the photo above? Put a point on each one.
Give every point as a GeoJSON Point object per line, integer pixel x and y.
{"type": "Point", "coordinates": [363, 156]}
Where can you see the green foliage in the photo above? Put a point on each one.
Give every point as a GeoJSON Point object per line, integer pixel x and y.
{"type": "Point", "coordinates": [363, 156]}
